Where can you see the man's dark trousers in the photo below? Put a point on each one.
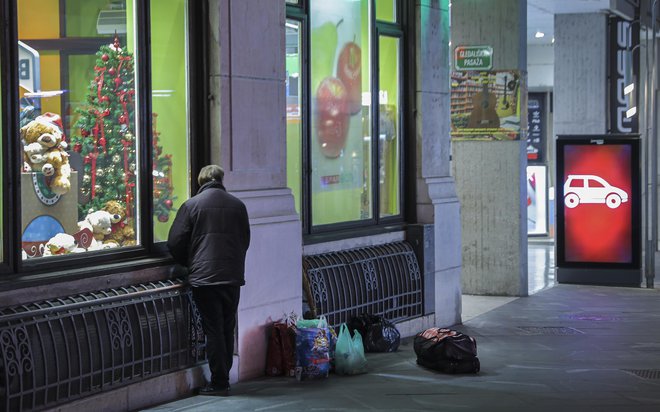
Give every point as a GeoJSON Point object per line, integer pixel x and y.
{"type": "Point", "coordinates": [217, 306]}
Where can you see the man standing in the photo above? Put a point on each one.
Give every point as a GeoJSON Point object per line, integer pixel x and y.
{"type": "Point", "coordinates": [210, 235]}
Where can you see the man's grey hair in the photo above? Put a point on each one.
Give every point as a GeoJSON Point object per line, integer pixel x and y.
{"type": "Point", "coordinates": [209, 173]}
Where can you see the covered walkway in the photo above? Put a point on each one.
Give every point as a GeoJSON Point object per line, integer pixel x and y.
{"type": "Point", "coordinates": [567, 348]}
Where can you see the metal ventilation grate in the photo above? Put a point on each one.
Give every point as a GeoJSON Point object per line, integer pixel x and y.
{"type": "Point", "coordinates": [61, 350]}
{"type": "Point", "coordinates": [383, 280]}
{"type": "Point", "coordinates": [548, 330]}
{"type": "Point", "coordinates": [650, 374]}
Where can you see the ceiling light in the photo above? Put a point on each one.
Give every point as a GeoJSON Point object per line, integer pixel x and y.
{"type": "Point", "coordinates": [539, 34]}
{"type": "Point", "coordinates": [553, 40]}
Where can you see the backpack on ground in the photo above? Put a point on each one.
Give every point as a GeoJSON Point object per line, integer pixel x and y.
{"type": "Point", "coordinates": [446, 350]}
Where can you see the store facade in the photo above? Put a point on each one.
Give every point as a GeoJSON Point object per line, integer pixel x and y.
{"type": "Point", "coordinates": [109, 110]}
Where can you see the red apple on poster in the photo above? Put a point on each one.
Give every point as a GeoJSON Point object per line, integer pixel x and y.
{"type": "Point", "coordinates": [332, 116]}
{"type": "Point", "coordinates": [349, 71]}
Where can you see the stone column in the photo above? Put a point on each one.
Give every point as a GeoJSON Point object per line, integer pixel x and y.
{"type": "Point", "coordinates": [580, 94]}
{"type": "Point", "coordinates": [436, 191]}
{"type": "Point", "coordinates": [249, 141]}
{"type": "Point", "coordinates": [491, 176]}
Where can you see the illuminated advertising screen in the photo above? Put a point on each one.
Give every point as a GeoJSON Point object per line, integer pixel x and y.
{"type": "Point", "coordinates": [598, 202]}
{"type": "Point", "coordinates": [537, 200]}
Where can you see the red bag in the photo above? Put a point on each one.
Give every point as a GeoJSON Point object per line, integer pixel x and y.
{"type": "Point", "coordinates": [280, 358]}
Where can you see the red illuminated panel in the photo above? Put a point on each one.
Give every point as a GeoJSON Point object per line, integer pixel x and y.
{"type": "Point", "coordinates": [597, 203]}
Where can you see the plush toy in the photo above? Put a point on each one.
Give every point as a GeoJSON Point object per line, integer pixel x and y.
{"type": "Point", "coordinates": [42, 127]}
{"type": "Point", "coordinates": [45, 150]}
{"type": "Point", "coordinates": [99, 222]}
{"type": "Point", "coordinates": [34, 155]}
{"type": "Point", "coordinates": [60, 244]}
{"type": "Point", "coordinates": [57, 161]}
{"type": "Point", "coordinates": [122, 229]}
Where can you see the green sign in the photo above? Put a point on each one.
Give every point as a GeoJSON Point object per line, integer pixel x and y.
{"type": "Point", "coordinates": [473, 58]}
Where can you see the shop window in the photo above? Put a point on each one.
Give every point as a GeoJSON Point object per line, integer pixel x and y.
{"type": "Point", "coordinates": [386, 10]}
{"type": "Point", "coordinates": [389, 145]}
{"type": "Point", "coordinates": [346, 170]}
{"type": "Point", "coordinates": [170, 118]}
{"type": "Point", "coordinates": [82, 135]}
{"type": "Point", "coordinates": [293, 88]}
{"type": "Point", "coordinates": [340, 141]}
{"type": "Point", "coordinates": [2, 167]}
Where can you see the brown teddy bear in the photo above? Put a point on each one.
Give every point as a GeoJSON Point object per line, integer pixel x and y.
{"type": "Point", "coordinates": [45, 151]}
{"type": "Point", "coordinates": [122, 231]}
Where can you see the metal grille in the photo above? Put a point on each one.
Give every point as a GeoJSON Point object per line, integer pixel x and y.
{"type": "Point", "coordinates": [650, 374]}
{"type": "Point", "coordinates": [383, 280]}
{"type": "Point", "coordinates": [61, 350]}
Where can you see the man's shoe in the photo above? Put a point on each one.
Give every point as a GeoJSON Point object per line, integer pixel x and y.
{"type": "Point", "coordinates": [212, 390]}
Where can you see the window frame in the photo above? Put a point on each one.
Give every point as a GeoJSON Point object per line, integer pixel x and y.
{"type": "Point", "coordinates": [375, 224]}
{"type": "Point", "coordinates": [147, 253]}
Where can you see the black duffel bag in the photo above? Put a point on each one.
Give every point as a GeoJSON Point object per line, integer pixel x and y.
{"type": "Point", "coordinates": [378, 334]}
{"type": "Point", "coordinates": [447, 350]}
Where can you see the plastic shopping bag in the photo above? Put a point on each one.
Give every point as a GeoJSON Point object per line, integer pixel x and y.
{"type": "Point", "coordinates": [321, 323]}
{"type": "Point", "coordinates": [349, 353]}
{"type": "Point", "coordinates": [314, 346]}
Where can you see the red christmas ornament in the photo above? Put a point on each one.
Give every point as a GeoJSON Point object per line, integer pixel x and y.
{"type": "Point", "coordinates": [102, 142]}
{"type": "Point", "coordinates": [84, 132]}
{"type": "Point", "coordinates": [105, 57]}
{"type": "Point", "coordinates": [104, 99]}
{"type": "Point", "coordinates": [106, 112]}
{"type": "Point", "coordinates": [168, 203]}
{"type": "Point", "coordinates": [123, 119]}
{"type": "Point", "coordinates": [77, 147]}
{"type": "Point", "coordinates": [118, 81]}
{"type": "Point", "coordinates": [163, 217]}
{"type": "Point", "coordinates": [87, 159]}
{"type": "Point", "coordinates": [112, 71]}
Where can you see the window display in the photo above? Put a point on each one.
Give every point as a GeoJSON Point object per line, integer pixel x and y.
{"type": "Point", "coordinates": [386, 10]}
{"type": "Point", "coordinates": [2, 247]}
{"type": "Point", "coordinates": [80, 130]}
{"type": "Point", "coordinates": [537, 200]}
{"type": "Point", "coordinates": [344, 161]}
{"type": "Point", "coordinates": [388, 126]}
{"type": "Point", "coordinates": [341, 111]}
{"type": "Point", "coordinates": [171, 117]}
{"type": "Point", "coordinates": [293, 83]}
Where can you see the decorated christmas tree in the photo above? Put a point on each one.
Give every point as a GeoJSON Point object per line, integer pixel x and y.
{"type": "Point", "coordinates": [106, 126]}
{"type": "Point", "coordinates": [104, 135]}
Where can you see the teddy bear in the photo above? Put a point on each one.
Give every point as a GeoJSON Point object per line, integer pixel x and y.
{"type": "Point", "coordinates": [57, 165]}
{"type": "Point", "coordinates": [60, 244]}
{"type": "Point", "coordinates": [99, 222]}
{"type": "Point", "coordinates": [122, 229]}
{"type": "Point", "coordinates": [45, 150]}
{"type": "Point", "coordinates": [34, 155]}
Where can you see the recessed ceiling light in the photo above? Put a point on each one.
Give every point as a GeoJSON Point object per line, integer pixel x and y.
{"type": "Point", "coordinates": [553, 40]}
{"type": "Point", "coordinates": [539, 34]}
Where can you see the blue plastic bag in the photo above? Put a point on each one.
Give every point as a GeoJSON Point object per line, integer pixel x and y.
{"type": "Point", "coordinates": [349, 353]}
